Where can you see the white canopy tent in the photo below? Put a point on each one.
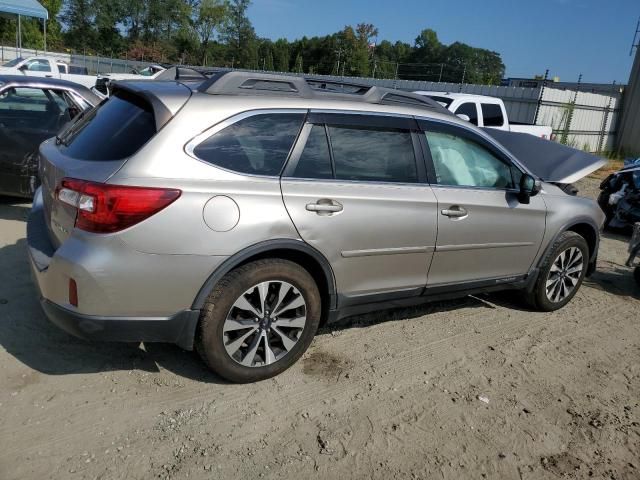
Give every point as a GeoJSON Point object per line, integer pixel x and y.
{"type": "Point", "coordinates": [24, 8]}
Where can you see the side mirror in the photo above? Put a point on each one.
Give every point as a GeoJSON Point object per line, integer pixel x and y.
{"type": "Point", "coordinates": [24, 67]}
{"type": "Point", "coordinates": [464, 117]}
{"type": "Point", "coordinates": [529, 187]}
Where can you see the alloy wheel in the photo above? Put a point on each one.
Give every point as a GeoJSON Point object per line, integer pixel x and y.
{"type": "Point", "coordinates": [264, 323]}
{"type": "Point", "coordinates": [564, 274]}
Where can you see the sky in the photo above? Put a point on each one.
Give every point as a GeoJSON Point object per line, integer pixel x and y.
{"type": "Point", "coordinates": [569, 37]}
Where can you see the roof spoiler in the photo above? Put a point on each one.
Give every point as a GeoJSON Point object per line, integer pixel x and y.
{"type": "Point", "coordinates": [162, 111]}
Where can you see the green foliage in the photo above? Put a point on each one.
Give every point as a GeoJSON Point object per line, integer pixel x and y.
{"type": "Point", "coordinates": [219, 32]}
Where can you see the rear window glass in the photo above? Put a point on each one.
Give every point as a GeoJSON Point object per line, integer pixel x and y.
{"type": "Point", "coordinates": [115, 130]}
{"type": "Point", "coordinates": [492, 115]}
{"type": "Point", "coordinates": [257, 145]}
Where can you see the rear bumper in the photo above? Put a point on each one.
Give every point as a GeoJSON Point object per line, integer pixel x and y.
{"type": "Point", "coordinates": [177, 329]}
{"type": "Point", "coordinates": [113, 310]}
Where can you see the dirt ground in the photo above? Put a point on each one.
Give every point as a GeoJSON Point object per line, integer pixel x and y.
{"type": "Point", "coordinates": [473, 388]}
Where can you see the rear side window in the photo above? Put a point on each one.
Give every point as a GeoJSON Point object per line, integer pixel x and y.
{"type": "Point", "coordinates": [115, 130]}
{"type": "Point", "coordinates": [257, 145]}
{"type": "Point", "coordinates": [315, 160]}
{"type": "Point", "coordinates": [492, 115]}
{"type": "Point", "coordinates": [372, 154]}
{"type": "Point", "coordinates": [469, 109]}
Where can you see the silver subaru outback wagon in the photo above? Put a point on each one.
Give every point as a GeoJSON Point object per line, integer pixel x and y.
{"type": "Point", "coordinates": [236, 214]}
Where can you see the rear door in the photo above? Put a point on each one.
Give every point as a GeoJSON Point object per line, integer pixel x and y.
{"type": "Point", "coordinates": [484, 233]}
{"type": "Point", "coordinates": [357, 193]}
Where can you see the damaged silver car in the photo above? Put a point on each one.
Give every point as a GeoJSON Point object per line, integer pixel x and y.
{"type": "Point", "coordinates": [236, 214]}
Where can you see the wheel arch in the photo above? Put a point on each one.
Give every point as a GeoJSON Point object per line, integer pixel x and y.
{"type": "Point", "coordinates": [587, 229]}
{"type": "Point", "coordinates": [288, 249]}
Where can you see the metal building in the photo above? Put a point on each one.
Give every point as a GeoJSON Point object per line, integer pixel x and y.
{"type": "Point", "coordinates": [629, 130]}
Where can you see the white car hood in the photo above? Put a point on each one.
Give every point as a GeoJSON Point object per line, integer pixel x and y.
{"type": "Point", "coordinates": [550, 161]}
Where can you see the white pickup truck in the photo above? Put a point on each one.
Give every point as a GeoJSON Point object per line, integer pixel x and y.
{"type": "Point", "coordinates": [484, 111]}
{"type": "Point", "coordinates": [46, 67]}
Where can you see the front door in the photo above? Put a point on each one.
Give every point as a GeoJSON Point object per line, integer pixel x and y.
{"type": "Point", "coordinates": [357, 194]}
{"type": "Point", "coordinates": [484, 232]}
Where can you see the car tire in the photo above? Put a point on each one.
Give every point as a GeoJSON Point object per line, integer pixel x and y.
{"type": "Point", "coordinates": [561, 273]}
{"type": "Point", "coordinates": [258, 320]}
{"type": "Point", "coordinates": [636, 275]}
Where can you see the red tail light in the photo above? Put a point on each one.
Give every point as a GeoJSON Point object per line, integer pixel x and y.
{"type": "Point", "coordinates": [104, 208]}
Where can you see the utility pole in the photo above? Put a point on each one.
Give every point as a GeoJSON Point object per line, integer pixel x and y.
{"type": "Point", "coordinates": [635, 44]}
{"type": "Point", "coordinates": [605, 119]}
{"type": "Point", "coordinates": [441, 69]}
{"type": "Point", "coordinates": [572, 105]}
{"type": "Point", "coordinates": [544, 85]}
{"type": "Point", "coordinates": [464, 73]}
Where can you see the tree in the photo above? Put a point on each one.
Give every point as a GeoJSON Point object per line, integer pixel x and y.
{"type": "Point", "coordinates": [210, 17]}
{"type": "Point", "coordinates": [239, 35]}
{"type": "Point", "coordinates": [78, 17]}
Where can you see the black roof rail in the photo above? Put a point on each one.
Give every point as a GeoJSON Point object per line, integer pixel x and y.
{"type": "Point", "coordinates": [180, 74]}
{"type": "Point", "coordinates": [247, 83]}
{"type": "Point", "coordinates": [251, 83]}
{"type": "Point", "coordinates": [336, 86]}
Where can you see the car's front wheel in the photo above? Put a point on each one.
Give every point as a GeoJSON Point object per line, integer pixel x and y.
{"type": "Point", "coordinates": [259, 319]}
{"type": "Point", "coordinates": [561, 273]}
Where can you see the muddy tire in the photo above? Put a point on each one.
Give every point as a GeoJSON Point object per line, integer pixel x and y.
{"type": "Point", "coordinates": [561, 273]}
{"type": "Point", "coordinates": [258, 321]}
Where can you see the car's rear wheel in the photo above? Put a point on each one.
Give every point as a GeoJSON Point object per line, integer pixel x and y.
{"type": "Point", "coordinates": [260, 318]}
{"type": "Point", "coordinates": [561, 273]}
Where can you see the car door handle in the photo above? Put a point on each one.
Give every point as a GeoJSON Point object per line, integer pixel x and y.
{"type": "Point", "coordinates": [455, 212]}
{"type": "Point", "coordinates": [324, 205]}
{"type": "Point", "coordinates": [49, 76]}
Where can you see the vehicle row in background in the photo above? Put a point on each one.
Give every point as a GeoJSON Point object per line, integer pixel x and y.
{"type": "Point", "coordinates": [484, 111]}
{"type": "Point", "coordinates": [47, 67]}
{"type": "Point", "coordinates": [33, 109]}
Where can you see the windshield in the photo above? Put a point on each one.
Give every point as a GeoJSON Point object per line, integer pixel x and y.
{"type": "Point", "coordinates": [13, 62]}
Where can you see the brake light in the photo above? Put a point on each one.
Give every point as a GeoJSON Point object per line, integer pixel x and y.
{"type": "Point", "coordinates": [104, 208]}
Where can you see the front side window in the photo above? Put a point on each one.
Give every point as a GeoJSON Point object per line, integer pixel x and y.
{"type": "Point", "coordinates": [470, 110]}
{"type": "Point", "coordinates": [459, 161]}
{"type": "Point", "coordinates": [38, 66]}
{"type": "Point", "coordinates": [257, 145]}
{"type": "Point", "coordinates": [492, 115]}
{"type": "Point", "coordinates": [373, 154]}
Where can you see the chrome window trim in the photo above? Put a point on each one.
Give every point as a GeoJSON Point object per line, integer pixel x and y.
{"type": "Point", "coordinates": [191, 145]}
{"type": "Point", "coordinates": [355, 182]}
{"type": "Point", "coordinates": [299, 147]}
